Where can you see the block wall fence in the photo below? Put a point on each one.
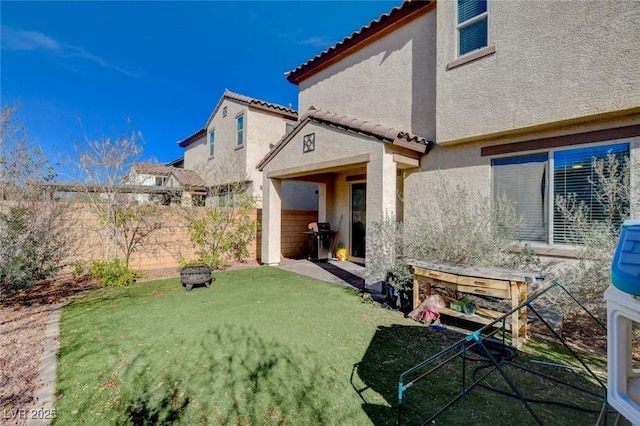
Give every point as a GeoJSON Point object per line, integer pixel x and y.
{"type": "Point", "coordinates": [171, 242]}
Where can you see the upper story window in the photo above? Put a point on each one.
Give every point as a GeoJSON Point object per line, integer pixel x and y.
{"type": "Point", "coordinates": [240, 130]}
{"type": "Point", "coordinates": [159, 180]}
{"type": "Point", "coordinates": [212, 143]}
{"type": "Point", "coordinates": [539, 184]}
{"type": "Point", "coordinates": [288, 127]}
{"type": "Point", "coordinates": [472, 25]}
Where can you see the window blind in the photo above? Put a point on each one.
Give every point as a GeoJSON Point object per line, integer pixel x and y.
{"type": "Point", "coordinates": [523, 181]}
{"type": "Point", "coordinates": [467, 9]}
{"type": "Point", "coordinates": [573, 173]}
{"type": "Point", "coordinates": [473, 36]}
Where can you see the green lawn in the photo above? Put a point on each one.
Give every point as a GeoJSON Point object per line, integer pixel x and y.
{"type": "Point", "coordinates": [262, 346]}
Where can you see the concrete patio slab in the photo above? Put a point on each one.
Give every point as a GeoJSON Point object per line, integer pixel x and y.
{"type": "Point", "coordinates": [342, 273]}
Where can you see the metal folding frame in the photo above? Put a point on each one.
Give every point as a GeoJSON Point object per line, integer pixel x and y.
{"type": "Point", "coordinates": [481, 340]}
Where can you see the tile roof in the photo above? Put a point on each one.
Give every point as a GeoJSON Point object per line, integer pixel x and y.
{"type": "Point", "coordinates": [192, 137]}
{"type": "Point", "coordinates": [405, 12]}
{"type": "Point", "coordinates": [188, 178]}
{"type": "Point", "coordinates": [355, 125]}
{"type": "Point", "coordinates": [255, 103]}
{"type": "Point", "coordinates": [363, 126]}
{"type": "Point", "coordinates": [152, 169]}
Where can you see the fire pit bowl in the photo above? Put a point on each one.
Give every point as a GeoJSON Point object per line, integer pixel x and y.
{"type": "Point", "coordinates": [196, 274]}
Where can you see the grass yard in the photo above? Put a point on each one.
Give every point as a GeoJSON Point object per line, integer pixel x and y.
{"type": "Point", "coordinates": [264, 346]}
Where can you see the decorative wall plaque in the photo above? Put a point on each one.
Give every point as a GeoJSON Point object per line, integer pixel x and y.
{"type": "Point", "coordinates": [309, 143]}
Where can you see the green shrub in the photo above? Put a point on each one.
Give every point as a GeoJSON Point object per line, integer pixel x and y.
{"type": "Point", "coordinates": [597, 240]}
{"type": "Point", "coordinates": [113, 273]}
{"type": "Point", "coordinates": [78, 269]}
{"type": "Point", "coordinates": [223, 234]}
{"type": "Point", "coordinates": [34, 237]}
{"type": "Point", "coordinates": [30, 247]}
{"type": "Point", "coordinates": [465, 227]}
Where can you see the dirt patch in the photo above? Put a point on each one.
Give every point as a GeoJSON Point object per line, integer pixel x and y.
{"type": "Point", "coordinates": [23, 318]}
{"type": "Point", "coordinates": [21, 333]}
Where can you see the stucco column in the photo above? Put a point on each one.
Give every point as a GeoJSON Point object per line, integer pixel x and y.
{"type": "Point", "coordinates": [271, 217]}
{"type": "Point", "coordinates": [322, 202]}
{"type": "Point", "coordinates": [381, 194]}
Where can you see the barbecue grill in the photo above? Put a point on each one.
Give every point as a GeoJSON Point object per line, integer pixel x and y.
{"type": "Point", "coordinates": [320, 236]}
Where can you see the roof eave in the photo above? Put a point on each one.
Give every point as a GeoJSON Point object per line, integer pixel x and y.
{"type": "Point", "coordinates": [192, 138]}
{"type": "Point", "coordinates": [376, 29]}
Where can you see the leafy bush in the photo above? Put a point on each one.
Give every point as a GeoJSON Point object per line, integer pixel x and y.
{"type": "Point", "coordinates": [32, 246]}
{"type": "Point", "coordinates": [459, 226]}
{"type": "Point", "coordinates": [454, 226]}
{"type": "Point", "coordinates": [78, 269]}
{"type": "Point", "coordinates": [113, 273]}
{"type": "Point", "coordinates": [224, 233]}
{"type": "Point", "coordinates": [597, 240]}
{"type": "Point", "coordinates": [34, 237]}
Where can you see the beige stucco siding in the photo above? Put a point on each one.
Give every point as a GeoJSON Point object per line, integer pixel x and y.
{"type": "Point", "coordinates": [391, 81]}
{"type": "Point", "coordinates": [330, 144]}
{"type": "Point", "coordinates": [339, 158]}
{"type": "Point", "coordinates": [262, 130]}
{"type": "Point", "coordinates": [195, 154]}
{"type": "Point", "coordinates": [463, 165]}
{"type": "Point", "coordinates": [553, 61]}
{"type": "Point", "coordinates": [228, 163]}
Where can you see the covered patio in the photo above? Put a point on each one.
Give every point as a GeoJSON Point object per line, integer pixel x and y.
{"type": "Point", "coordinates": [359, 168]}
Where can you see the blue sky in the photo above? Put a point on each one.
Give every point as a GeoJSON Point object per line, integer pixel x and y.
{"type": "Point", "coordinates": [85, 69]}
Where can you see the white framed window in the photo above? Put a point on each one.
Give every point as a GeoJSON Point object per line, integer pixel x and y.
{"type": "Point", "coordinates": [534, 182]}
{"type": "Point", "coordinates": [240, 130]}
{"type": "Point", "coordinates": [472, 25]}
{"type": "Point", "coordinates": [212, 143]}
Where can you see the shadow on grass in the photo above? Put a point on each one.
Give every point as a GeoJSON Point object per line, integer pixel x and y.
{"type": "Point", "coordinates": [392, 351]}
{"type": "Point", "coordinates": [148, 399]}
{"type": "Point", "coordinates": [231, 375]}
{"type": "Point", "coordinates": [397, 348]}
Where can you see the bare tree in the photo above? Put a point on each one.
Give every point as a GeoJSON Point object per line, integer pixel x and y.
{"type": "Point", "coordinates": [104, 164]}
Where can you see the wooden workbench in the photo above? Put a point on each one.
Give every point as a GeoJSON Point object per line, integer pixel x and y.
{"type": "Point", "coordinates": [492, 282]}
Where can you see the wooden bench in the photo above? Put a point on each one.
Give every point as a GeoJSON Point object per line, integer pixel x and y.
{"type": "Point", "coordinates": [494, 282]}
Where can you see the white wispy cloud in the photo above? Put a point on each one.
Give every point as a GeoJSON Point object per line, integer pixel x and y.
{"type": "Point", "coordinates": [17, 40]}
{"type": "Point", "coordinates": [317, 41]}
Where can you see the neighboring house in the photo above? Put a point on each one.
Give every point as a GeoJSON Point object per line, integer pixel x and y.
{"type": "Point", "coordinates": [499, 97]}
{"type": "Point", "coordinates": [172, 185]}
{"type": "Point", "coordinates": [239, 132]}
{"type": "Point", "coordinates": [178, 163]}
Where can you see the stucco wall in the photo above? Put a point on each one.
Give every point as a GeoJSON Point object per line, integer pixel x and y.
{"type": "Point", "coordinates": [554, 60]}
{"type": "Point", "coordinates": [338, 155]}
{"type": "Point", "coordinates": [391, 81]}
{"type": "Point", "coordinates": [330, 144]}
{"type": "Point", "coordinates": [462, 164]}
{"type": "Point", "coordinates": [228, 163]}
{"type": "Point", "coordinates": [233, 163]}
{"type": "Point", "coordinates": [262, 130]}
